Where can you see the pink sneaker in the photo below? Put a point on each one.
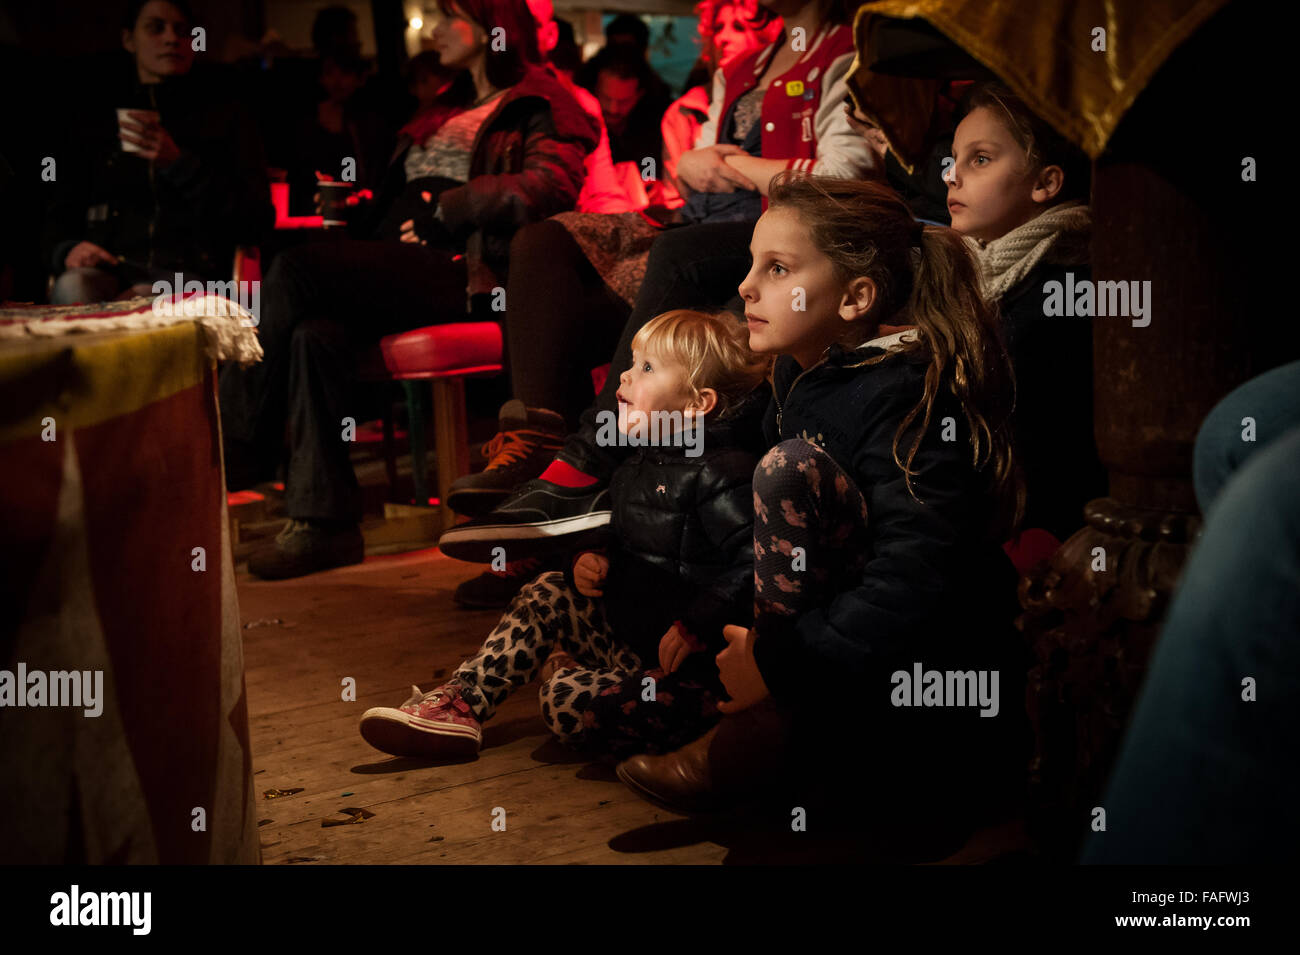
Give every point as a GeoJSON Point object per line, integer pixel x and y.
{"type": "Point", "coordinates": [434, 725]}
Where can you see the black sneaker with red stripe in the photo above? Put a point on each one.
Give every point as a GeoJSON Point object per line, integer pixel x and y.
{"type": "Point", "coordinates": [524, 445]}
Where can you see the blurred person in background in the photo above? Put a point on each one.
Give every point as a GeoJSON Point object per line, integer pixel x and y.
{"type": "Point", "coordinates": [173, 185]}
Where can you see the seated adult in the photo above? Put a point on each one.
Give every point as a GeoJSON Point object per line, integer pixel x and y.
{"type": "Point", "coordinates": [631, 107]}
{"type": "Point", "coordinates": [505, 147]}
{"type": "Point", "coordinates": [629, 33]}
{"type": "Point", "coordinates": [342, 128]}
{"type": "Point", "coordinates": [728, 30]}
{"type": "Point", "coordinates": [574, 277]}
{"type": "Point", "coordinates": [172, 187]}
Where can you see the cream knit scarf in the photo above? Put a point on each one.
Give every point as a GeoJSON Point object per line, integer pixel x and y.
{"type": "Point", "coordinates": [1059, 236]}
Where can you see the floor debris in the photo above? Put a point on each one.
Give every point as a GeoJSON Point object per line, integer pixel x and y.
{"type": "Point", "coordinates": [354, 816]}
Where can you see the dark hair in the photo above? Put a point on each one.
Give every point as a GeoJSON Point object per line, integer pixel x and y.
{"type": "Point", "coordinates": [623, 63]}
{"type": "Point", "coordinates": [567, 55]}
{"type": "Point", "coordinates": [629, 24]}
{"type": "Point", "coordinates": [1042, 145]}
{"type": "Point", "coordinates": [329, 30]}
{"type": "Point", "coordinates": [134, 7]}
{"type": "Point", "coordinates": [507, 66]}
{"type": "Point", "coordinates": [866, 229]}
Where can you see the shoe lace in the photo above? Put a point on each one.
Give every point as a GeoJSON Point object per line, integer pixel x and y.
{"type": "Point", "coordinates": [507, 447]}
{"type": "Point", "coordinates": [445, 695]}
{"type": "Point", "coordinates": [292, 528]}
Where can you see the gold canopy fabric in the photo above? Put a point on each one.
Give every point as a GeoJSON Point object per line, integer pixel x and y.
{"type": "Point", "coordinates": [1043, 51]}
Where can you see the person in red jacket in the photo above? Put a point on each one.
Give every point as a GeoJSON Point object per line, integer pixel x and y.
{"type": "Point", "coordinates": [504, 146]}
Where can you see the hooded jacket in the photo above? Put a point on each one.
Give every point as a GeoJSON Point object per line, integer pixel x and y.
{"type": "Point", "coordinates": [935, 587]}
{"type": "Point", "coordinates": [680, 540]}
{"type": "Point", "coordinates": [526, 165]}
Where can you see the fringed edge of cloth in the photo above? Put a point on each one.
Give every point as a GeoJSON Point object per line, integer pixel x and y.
{"type": "Point", "coordinates": [229, 329]}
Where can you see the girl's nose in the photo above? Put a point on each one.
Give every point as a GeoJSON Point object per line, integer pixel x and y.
{"type": "Point", "coordinates": [950, 175]}
{"type": "Point", "coordinates": [746, 288]}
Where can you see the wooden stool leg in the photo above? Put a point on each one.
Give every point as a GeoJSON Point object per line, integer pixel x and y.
{"type": "Point", "coordinates": [451, 439]}
{"type": "Point", "coordinates": [419, 461]}
{"type": "Point", "coordinates": [390, 442]}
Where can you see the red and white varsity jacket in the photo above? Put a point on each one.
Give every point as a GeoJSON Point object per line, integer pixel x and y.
{"type": "Point", "coordinates": [803, 109]}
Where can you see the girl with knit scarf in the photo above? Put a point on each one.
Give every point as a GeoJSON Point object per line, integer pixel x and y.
{"type": "Point", "coordinates": [1018, 193]}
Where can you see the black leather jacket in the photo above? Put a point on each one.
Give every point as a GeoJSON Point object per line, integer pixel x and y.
{"type": "Point", "coordinates": [680, 542]}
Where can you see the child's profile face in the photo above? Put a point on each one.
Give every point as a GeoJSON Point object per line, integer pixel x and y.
{"type": "Point", "coordinates": [653, 383]}
{"type": "Point", "coordinates": [991, 189]}
{"type": "Point", "coordinates": [792, 297]}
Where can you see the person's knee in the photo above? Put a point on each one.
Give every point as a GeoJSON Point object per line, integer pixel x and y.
{"type": "Point", "coordinates": [779, 470]}
{"type": "Point", "coordinates": [83, 286]}
{"type": "Point", "coordinates": [561, 721]}
{"type": "Point", "coordinates": [1221, 445]}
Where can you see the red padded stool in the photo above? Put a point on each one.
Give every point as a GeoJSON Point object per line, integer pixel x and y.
{"type": "Point", "coordinates": [444, 355]}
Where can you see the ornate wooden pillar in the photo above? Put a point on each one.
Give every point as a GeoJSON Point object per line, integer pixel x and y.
{"type": "Point", "coordinates": [1169, 207]}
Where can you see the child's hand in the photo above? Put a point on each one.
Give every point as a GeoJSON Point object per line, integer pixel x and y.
{"type": "Point", "coordinates": [589, 572]}
{"type": "Point", "coordinates": [739, 672]}
{"type": "Point", "coordinates": [674, 647]}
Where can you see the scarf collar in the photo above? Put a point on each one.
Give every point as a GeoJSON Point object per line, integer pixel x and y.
{"type": "Point", "coordinates": [1059, 236]}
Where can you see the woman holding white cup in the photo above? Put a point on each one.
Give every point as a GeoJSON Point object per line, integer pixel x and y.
{"type": "Point", "coordinates": [172, 185]}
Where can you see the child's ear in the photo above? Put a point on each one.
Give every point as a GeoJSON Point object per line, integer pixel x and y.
{"type": "Point", "coordinates": [703, 403]}
{"type": "Point", "coordinates": [859, 296]}
{"type": "Point", "coordinates": [1048, 184]}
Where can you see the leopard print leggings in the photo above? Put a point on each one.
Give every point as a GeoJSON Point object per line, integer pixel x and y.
{"type": "Point", "coordinates": [802, 499]}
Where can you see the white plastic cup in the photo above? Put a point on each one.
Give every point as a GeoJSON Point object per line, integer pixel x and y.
{"type": "Point", "coordinates": [151, 114]}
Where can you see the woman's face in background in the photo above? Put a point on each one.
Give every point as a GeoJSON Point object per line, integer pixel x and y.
{"type": "Point", "coordinates": [160, 42]}
{"type": "Point", "coordinates": [458, 40]}
{"type": "Point", "coordinates": [731, 38]}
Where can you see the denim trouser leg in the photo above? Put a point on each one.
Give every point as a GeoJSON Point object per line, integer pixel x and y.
{"type": "Point", "coordinates": [1205, 776]}
{"type": "Point", "coordinates": [1271, 401]}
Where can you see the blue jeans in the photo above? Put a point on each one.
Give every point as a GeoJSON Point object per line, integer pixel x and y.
{"type": "Point", "coordinates": [1205, 776]}
{"type": "Point", "coordinates": [1271, 401]}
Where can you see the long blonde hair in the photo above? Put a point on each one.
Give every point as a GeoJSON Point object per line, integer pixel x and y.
{"type": "Point", "coordinates": [924, 276]}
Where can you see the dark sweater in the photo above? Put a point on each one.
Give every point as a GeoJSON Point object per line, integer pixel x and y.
{"type": "Point", "coordinates": [936, 588]}
{"type": "Point", "coordinates": [1052, 357]}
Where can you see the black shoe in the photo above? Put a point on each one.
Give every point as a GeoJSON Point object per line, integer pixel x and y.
{"type": "Point", "coordinates": [305, 547]}
{"type": "Point", "coordinates": [540, 518]}
{"type": "Point", "coordinates": [525, 444]}
{"type": "Point", "coordinates": [494, 589]}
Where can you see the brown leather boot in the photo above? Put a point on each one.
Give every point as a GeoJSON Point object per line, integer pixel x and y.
{"type": "Point", "coordinates": [677, 781]}
{"type": "Point", "coordinates": [743, 756]}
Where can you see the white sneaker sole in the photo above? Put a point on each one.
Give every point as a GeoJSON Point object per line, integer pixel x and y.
{"type": "Point", "coordinates": [500, 532]}
{"type": "Point", "coordinates": [398, 733]}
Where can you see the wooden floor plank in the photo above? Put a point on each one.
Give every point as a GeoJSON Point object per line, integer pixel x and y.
{"type": "Point", "coordinates": [390, 623]}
